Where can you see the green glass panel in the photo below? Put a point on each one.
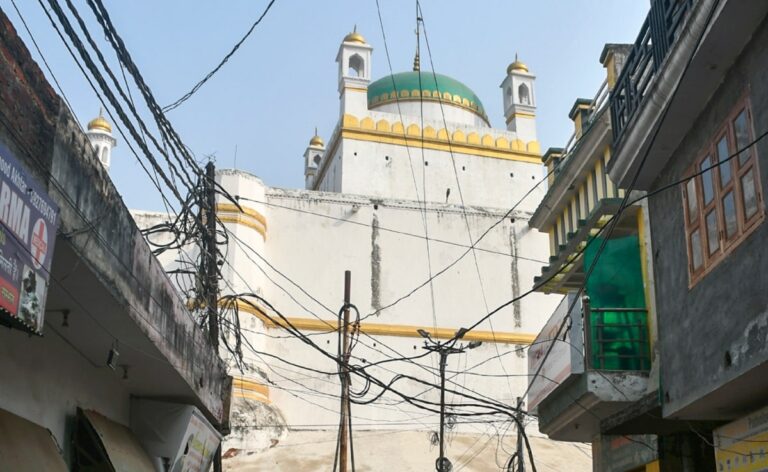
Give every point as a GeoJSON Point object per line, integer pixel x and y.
{"type": "Point", "coordinates": [619, 336]}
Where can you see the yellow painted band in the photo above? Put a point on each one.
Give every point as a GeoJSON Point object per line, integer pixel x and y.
{"type": "Point", "coordinates": [356, 89]}
{"type": "Point", "coordinates": [230, 208]}
{"type": "Point", "coordinates": [245, 384]}
{"type": "Point", "coordinates": [427, 143]}
{"type": "Point", "coordinates": [245, 221]}
{"type": "Point", "coordinates": [520, 114]}
{"type": "Point", "coordinates": [251, 396]}
{"type": "Point", "coordinates": [411, 331]}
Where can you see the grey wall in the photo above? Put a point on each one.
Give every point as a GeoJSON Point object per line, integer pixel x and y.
{"type": "Point", "coordinates": [726, 309]}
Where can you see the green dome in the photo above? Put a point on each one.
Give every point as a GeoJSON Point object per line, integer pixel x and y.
{"type": "Point", "coordinates": [433, 87]}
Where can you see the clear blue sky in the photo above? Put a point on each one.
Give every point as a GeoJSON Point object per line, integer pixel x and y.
{"type": "Point", "coordinates": [282, 82]}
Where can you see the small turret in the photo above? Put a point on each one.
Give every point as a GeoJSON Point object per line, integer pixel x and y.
{"type": "Point", "coordinates": [100, 134]}
{"type": "Point", "coordinates": [313, 157]}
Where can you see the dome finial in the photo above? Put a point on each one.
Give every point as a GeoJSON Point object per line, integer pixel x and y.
{"type": "Point", "coordinates": [316, 140]}
{"type": "Point", "coordinates": [416, 62]}
{"type": "Point", "coordinates": [354, 37]}
{"type": "Point", "coordinates": [518, 65]}
{"type": "Point", "coordinates": [100, 123]}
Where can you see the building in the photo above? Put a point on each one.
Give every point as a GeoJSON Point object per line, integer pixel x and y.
{"type": "Point", "coordinates": [687, 118]}
{"type": "Point", "coordinates": [102, 359]}
{"type": "Point", "coordinates": [604, 329]}
{"type": "Point", "coordinates": [411, 178]}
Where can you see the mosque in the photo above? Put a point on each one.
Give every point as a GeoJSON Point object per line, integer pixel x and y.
{"type": "Point", "coordinates": [427, 205]}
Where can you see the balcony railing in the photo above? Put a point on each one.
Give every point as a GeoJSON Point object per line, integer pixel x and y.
{"type": "Point", "coordinates": [659, 32]}
{"type": "Point", "coordinates": [616, 338]}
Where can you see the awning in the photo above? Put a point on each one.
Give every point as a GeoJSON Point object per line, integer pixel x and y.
{"type": "Point", "coordinates": [27, 447]}
{"type": "Point", "coordinates": [123, 449]}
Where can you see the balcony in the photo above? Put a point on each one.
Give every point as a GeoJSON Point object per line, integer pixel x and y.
{"type": "Point", "coordinates": [659, 31]}
{"type": "Point", "coordinates": [681, 56]}
{"type": "Point", "coordinates": [590, 366]}
{"type": "Point", "coordinates": [565, 270]}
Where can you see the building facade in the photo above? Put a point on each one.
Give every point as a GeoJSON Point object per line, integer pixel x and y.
{"type": "Point", "coordinates": [427, 205]}
{"type": "Point", "coordinates": [103, 367]}
{"type": "Point", "coordinates": [686, 122]}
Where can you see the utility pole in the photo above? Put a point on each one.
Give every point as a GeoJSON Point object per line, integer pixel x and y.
{"type": "Point", "coordinates": [519, 416]}
{"type": "Point", "coordinates": [209, 271]}
{"type": "Point", "coordinates": [443, 464]}
{"type": "Point", "coordinates": [210, 254]}
{"type": "Point", "coordinates": [344, 358]}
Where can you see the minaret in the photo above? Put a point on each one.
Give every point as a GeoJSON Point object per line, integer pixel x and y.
{"type": "Point", "coordinates": [520, 101]}
{"type": "Point", "coordinates": [313, 156]}
{"type": "Point", "coordinates": [100, 134]}
{"type": "Point", "coordinates": [354, 59]}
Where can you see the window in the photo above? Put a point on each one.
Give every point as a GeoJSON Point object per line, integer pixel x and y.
{"type": "Point", "coordinates": [723, 203]}
{"type": "Point", "coordinates": [524, 95]}
{"type": "Point", "coordinates": [356, 66]}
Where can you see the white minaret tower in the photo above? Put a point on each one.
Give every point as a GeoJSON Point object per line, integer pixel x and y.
{"type": "Point", "coordinates": [100, 134]}
{"type": "Point", "coordinates": [313, 156]}
{"type": "Point", "coordinates": [520, 101]}
{"type": "Point", "coordinates": [354, 59]}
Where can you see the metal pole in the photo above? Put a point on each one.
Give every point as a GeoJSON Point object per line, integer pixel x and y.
{"type": "Point", "coordinates": [520, 455]}
{"type": "Point", "coordinates": [443, 361]}
{"type": "Point", "coordinates": [345, 374]}
{"type": "Point", "coordinates": [210, 255]}
{"type": "Point", "coordinates": [210, 271]}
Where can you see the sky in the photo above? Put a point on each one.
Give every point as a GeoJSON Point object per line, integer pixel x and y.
{"type": "Point", "coordinates": [259, 112]}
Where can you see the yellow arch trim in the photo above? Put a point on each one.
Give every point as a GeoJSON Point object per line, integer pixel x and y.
{"type": "Point", "coordinates": [232, 208]}
{"type": "Point", "coordinates": [245, 221]}
{"type": "Point", "coordinates": [366, 123]}
{"type": "Point", "coordinates": [441, 140]}
{"type": "Point", "coordinates": [381, 329]}
{"type": "Point", "coordinates": [383, 125]}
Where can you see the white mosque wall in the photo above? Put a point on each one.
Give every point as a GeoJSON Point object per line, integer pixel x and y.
{"type": "Point", "coordinates": [310, 252]}
{"type": "Point", "coordinates": [391, 171]}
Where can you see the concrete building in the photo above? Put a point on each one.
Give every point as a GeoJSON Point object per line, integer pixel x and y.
{"type": "Point", "coordinates": [687, 121]}
{"type": "Point", "coordinates": [412, 177]}
{"type": "Point", "coordinates": [602, 360]}
{"type": "Point", "coordinates": [103, 359]}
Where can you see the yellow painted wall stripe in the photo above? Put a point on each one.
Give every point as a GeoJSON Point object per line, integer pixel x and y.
{"type": "Point", "coordinates": [439, 145]}
{"type": "Point", "coordinates": [251, 396]}
{"type": "Point", "coordinates": [245, 221]}
{"type": "Point", "coordinates": [381, 329]}
{"type": "Point", "coordinates": [231, 208]}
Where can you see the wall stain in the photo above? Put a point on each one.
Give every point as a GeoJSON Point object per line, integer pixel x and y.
{"type": "Point", "coordinates": [375, 266]}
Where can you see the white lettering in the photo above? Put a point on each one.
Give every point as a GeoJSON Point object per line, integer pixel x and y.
{"type": "Point", "coordinates": [5, 199]}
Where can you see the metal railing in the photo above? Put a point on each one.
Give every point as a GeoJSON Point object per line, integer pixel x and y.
{"type": "Point", "coordinates": [616, 338]}
{"type": "Point", "coordinates": [659, 32]}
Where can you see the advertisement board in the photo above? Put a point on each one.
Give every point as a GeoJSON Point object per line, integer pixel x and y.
{"type": "Point", "coordinates": [743, 444]}
{"type": "Point", "coordinates": [200, 443]}
{"type": "Point", "coordinates": [28, 223]}
{"type": "Point", "coordinates": [175, 431]}
{"type": "Point", "coordinates": [565, 352]}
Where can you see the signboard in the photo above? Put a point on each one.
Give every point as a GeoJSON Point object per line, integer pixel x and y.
{"type": "Point", "coordinates": [742, 446]}
{"type": "Point", "coordinates": [175, 431]}
{"type": "Point", "coordinates": [566, 356]}
{"type": "Point", "coordinates": [28, 223]}
{"type": "Point", "coordinates": [200, 443]}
